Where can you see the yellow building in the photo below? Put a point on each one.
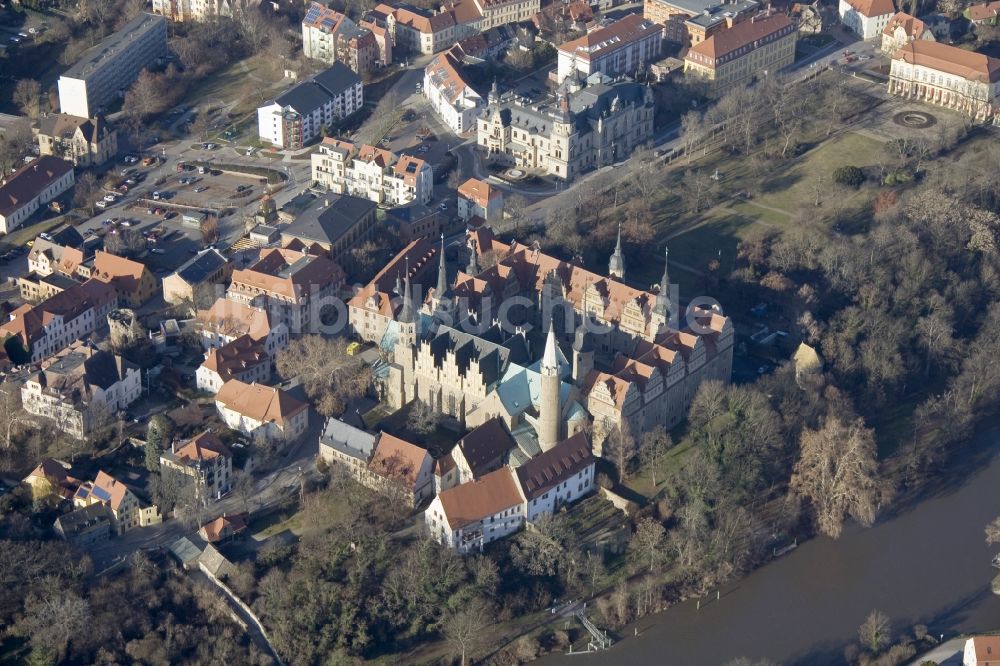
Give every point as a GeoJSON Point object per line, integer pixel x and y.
{"type": "Point", "coordinates": [764, 44]}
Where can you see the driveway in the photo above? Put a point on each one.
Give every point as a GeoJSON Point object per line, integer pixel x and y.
{"type": "Point", "coordinates": [949, 653]}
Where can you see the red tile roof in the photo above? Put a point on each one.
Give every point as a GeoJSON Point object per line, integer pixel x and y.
{"type": "Point", "coordinates": [30, 180]}
{"type": "Point", "coordinates": [485, 497]}
{"type": "Point", "coordinates": [951, 60]}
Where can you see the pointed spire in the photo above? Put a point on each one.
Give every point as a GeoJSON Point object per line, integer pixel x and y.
{"type": "Point", "coordinates": [406, 312]}
{"type": "Point", "coordinates": [663, 297]}
{"type": "Point", "coordinates": [473, 267]}
{"type": "Point", "coordinates": [616, 266]}
{"type": "Point", "coordinates": [550, 361]}
{"type": "Point", "coordinates": [399, 284]}
{"type": "Point", "coordinates": [442, 283]}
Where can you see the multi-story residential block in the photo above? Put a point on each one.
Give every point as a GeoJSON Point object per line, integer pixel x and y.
{"type": "Point", "coordinates": [342, 444]}
{"type": "Point", "coordinates": [332, 225]}
{"type": "Point", "coordinates": [45, 254]}
{"type": "Point", "coordinates": [105, 70]}
{"type": "Point", "coordinates": [711, 16]}
{"type": "Point", "coordinates": [126, 507]}
{"type": "Point", "coordinates": [200, 278]}
{"type": "Point", "coordinates": [947, 76]}
{"type": "Point", "coordinates": [382, 39]}
{"type": "Point", "coordinates": [477, 198]}
{"type": "Point", "coordinates": [761, 45]}
{"type": "Point", "coordinates": [330, 36]}
{"type": "Point", "coordinates": [290, 285]}
{"type": "Point", "coordinates": [201, 10]}
{"type": "Point", "coordinates": [416, 30]}
{"type": "Point", "coordinates": [469, 516]}
{"type": "Point", "coordinates": [298, 115]}
{"type": "Point", "coordinates": [36, 288]}
{"type": "Point", "coordinates": [85, 527]}
{"type": "Point", "coordinates": [450, 95]}
{"type": "Point", "coordinates": [133, 281]}
{"type": "Point", "coordinates": [623, 48]}
{"type": "Point", "coordinates": [261, 411]}
{"type": "Point", "coordinates": [31, 187]}
{"type": "Point", "coordinates": [718, 18]}
{"type": "Point", "coordinates": [206, 460]}
{"type": "Point", "coordinates": [372, 173]}
{"type": "Point", "coordinates": [228, 320]}
{"type": "Point", "coordinates": [866, 18]}
{"type": "Point", "coordinates": [595, 126]}
{"type": "Point", "coordinates": [244, 359]}
{"type": "Point", "coordinates": [81, 389]}
{"type": "Point", "coordinates": [36, 332]}
{"type": "Point", "coordinates": [903, 29]}
{"type": "Point", "coordinates": [83, 141]}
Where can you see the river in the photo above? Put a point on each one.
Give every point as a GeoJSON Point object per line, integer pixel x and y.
{"type": "Point", "coordinates": [928, 564]}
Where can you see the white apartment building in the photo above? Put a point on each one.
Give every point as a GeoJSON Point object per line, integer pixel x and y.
{"type": "Point", "coordinates": [45, 329]}
{"type": "Point", "coordinates": [261, 412]}
{"type": "Point", "coordinates": [200, 10]}
{"type": "Point", "coordinates": [81, 388]}
{"type": "Point", "coordinates": [107, 69]}
{"type": "Point", "coordinates": [372, 173]}
{"type": "Point", "coordinates": [31, 187]}
{"type": "Point", "coordinates": [419, 30]}
{"type": "Point", "coordinates": [470, 515]}
{"type": "Point", "coordinates": [456, 103]}
{"type": "Point", "coordinates": [477, 198]}
{"type": "Point", "coordinates": [228, 320]}
{"type": "Point", "coordinates": [623, 48]}
{"type": "Point", "coordinates": [244, 359]}
{"type": "Point", "coordinates": [866, 18]}
{"type": "Point", "coordinates": [330, 36]}
{"type": "Point", "coordinates": [298, 115]}
{"type": "Point", "coordinates": [948, 76]}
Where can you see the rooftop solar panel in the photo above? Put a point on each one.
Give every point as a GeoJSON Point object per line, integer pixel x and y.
{"type": "Point", "coordinates": [102, 494]}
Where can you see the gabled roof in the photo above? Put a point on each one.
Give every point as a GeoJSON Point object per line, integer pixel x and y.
{"type": "Point", "coordinates": [31, 180]}
{"type": "Point", "coordinates": [63, 125]}
{"type": "Point", "coordinates": [621, 33]}
{"type": "Point", "coordinates": [330, 218]}
{"type": "Point", "coordinates": [486, 444]}
{"type": "Point", "coordinates": [397, 460]}
{"type": "Point", "coordinates": [201, 267]}
{"type": "Point", "coordinates": [985, 11]}
{"type": "Point", "coordinates": [986, 649]}
{"type": "Point", "coordinates": [952, 60]}
{"type": "Point", "coordinates": [263, 404]}
{"type": "Point", "coordinates": [913, 27]}
{"type": "Point", "coordinates": [124, 273]}
{"type": "Point", "coordinates": [287, 273]}
{"type": "Point", "coordinates": [471, 502]}
{"type": "Point", "coordinates": [236, 356]}
{"type": "Point", "coordinates": [552, 467]}
{"type": "Point", "coordinates": [233, 319]}
{"type": "Point", "coordinates": [202, 447]}
{"type": "Point", "coordinates": [872, 8]}
{"type": "Point", "coordinates": [744, 34]}
{"type": "Point", "coordinates": [347, 439]}
{"type": "Point", "coordinates": [109, 490]}
{"type": "Point", "coordinates": [232, 523]}
{"type": "Point", "coordinates": [479, 191]}
{"type": "Point", "coordinates": [28, 322]}
{"type": "Point", "coordinates": [310, 95]}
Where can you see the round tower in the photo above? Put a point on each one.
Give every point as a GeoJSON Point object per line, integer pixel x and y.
{"type": "Point", "coordinates": [549, 412]}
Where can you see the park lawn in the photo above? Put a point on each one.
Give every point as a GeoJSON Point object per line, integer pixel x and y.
{"type": "Point", "coordinates": [642, 480]}
{"type": "Point", "coordinates": [792, 189]}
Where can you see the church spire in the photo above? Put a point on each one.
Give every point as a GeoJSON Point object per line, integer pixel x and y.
{"type": "Point", "coordinates": [550, 362]}
{"type": "Point", "coordinates": [616, 266]}
{"type": "Point", "coordinates": [473, 267]}
{"type": "Point", "coordinates": [663, 298]}
{"type": "Point", "coordinates": [406, 312]}
{"type": "Point", "coordinates": [442, 283]}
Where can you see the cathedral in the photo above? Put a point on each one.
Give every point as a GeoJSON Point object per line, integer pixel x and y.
{"type": "Point", "coordinates": [606, 353]}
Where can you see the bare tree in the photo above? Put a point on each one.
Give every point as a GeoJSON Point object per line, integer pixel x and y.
{"type": "Point", "coordinates": [15, 144]}
{"type": "Point", "coordinates": [875, 632]}
{"type": "Point", "coordinates": [210, 230]}
{"type": "Point", "coordinates": [692, 132]}
{"type": "Point", "coordinates": [619, 448]}
{"type": "Point", "coordinates": [11, 412]}
{"type": "Point", "coordinates": [515, 211]}
{"type": "Point", "coordinates": [464, 627]}
{"type": "Point", "coordinates": [252, 27]}
{"type": "Point", "coordinates": [655, 445]}
{"type": "Point", "coordinates": [330, 377]}
{"type": "Point", "coordinates": [698, 189]}
{"type": "Point", "coordinates": [838, 471]}
{"type": "Point", "coordinates": [993, 532]}
{"type": "Point", "coordinates": [423, 419]}
{"type": "Point", "coordinates": [648, 540]}
{"type": "Point", "coordinates": [28, 96]}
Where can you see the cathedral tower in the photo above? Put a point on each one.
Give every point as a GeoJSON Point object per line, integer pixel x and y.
{"type": "Point", "coordinates": [616, 266]}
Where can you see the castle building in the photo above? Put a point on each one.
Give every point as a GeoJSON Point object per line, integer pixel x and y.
{"type": "Point", "coordinates": [629, 361]}
{"type": "Point", "coordinates": [599, 124]}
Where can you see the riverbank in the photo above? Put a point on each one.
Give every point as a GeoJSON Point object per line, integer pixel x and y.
{"type": "Point", "coordinates": [924, 563]}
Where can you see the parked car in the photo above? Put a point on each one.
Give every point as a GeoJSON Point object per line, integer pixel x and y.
{"type": "Point", "coordinates": [200, 188]}
{"type": "Point", "coordinates": [157, 250]}
{"type": "Point", "coordinates": [110, 197]}
{"type": "Point", "coordinates": [156, 195]}
{"type": "Point", "coordinates": [101, 203]}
